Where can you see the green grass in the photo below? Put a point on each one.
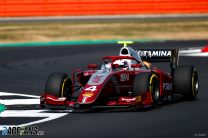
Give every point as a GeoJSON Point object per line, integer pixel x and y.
{"type": "Point", "coordinates": [162, 29]}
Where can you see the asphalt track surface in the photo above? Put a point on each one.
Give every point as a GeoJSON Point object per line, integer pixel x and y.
{"type": "Point", "coordinates": [25, 69]}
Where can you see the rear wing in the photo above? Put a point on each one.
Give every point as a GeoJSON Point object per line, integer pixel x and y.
{"type": "Point", "coordinates": [160, 55]}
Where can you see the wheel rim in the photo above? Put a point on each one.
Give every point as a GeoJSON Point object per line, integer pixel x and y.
{"type": "Point", "coordinates": [195, 83]}
{"type": "Point", "coordinates": [154, 88]}
{"type": "Point", "coordinates": [156, 94]}
{"type": "Point", "coordinates": [66, 88]}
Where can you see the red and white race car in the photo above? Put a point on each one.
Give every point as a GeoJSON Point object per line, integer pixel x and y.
{"type": "Point", "coordinates": [122, 81]}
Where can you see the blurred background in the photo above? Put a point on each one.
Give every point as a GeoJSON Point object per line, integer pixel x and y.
{"type": "Point", "coordinates": [74, 20]}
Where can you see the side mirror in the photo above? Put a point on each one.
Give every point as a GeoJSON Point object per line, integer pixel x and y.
{"type": "Point", "coordinates": [92, 66]}
{"type": "Point", "coordinates": [136, 65]}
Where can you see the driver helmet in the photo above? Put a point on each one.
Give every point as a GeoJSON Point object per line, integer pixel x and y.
{"type": "Point", "coordinates": [108, 65]}
{"type": "Point", "coordinates": [123, 65]}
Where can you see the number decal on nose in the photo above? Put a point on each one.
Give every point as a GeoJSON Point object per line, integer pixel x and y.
{"type": "Point", "coordinates": [91, 88]}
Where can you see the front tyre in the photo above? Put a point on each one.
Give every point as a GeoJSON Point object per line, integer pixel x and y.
{"type": "Point", "coordinates": [59, 85]}
{"type": "Point", "coordinates": [147, 81]}
{"type": "Point", "coordinates": [186, 81]}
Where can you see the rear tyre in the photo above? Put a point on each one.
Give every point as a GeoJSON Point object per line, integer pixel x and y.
{"type": "Point", "coordinates": [147, 81]}
{"type": "Point", "coordinates": [186, 81]}
{"type": "Point", "coordinates": [58, 84]}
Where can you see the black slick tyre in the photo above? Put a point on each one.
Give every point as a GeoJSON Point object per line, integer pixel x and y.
{"type": "Point", "coordinates": [59, 85]}
{"type": "Point", "coordinates": [186, 81]}
{"type": "Point", "coordinates": [147, 81]}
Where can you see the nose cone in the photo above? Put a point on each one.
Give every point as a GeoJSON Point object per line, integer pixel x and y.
{"type": "Point", "coordinates": [89, 94]}
{"type": "Point", "coordinates": [87, 97]}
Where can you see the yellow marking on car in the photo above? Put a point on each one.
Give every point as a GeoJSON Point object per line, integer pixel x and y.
{"type": "Point", "coordinates": [87, 94]}
{"type": "Point", "coordinates": [62, 88]}
{"type": "Point", "coordinates": [125, 43]}
{"type": "Point", "coordinates": [151, 78]}
{"type": "Point", "coordinates": [147, 64]}
{"type": "Point", "coordinates": [150, 84]}
{"type": "Point", "coordinates": [138, 99]}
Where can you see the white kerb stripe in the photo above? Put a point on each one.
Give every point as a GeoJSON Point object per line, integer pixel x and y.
{"type": "Point", "coordinates": [20, 101]}
{"type": "Point", "coordinates": [17, 94]}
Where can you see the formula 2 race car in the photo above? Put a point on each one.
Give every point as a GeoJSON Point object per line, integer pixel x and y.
{"type": "Point", "coordinates": [124, 81]}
